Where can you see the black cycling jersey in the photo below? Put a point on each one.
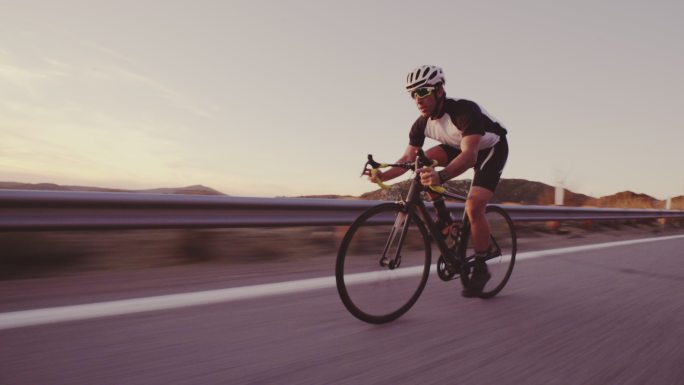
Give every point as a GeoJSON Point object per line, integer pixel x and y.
{"type": "Point", "coordinates": [458, 119]}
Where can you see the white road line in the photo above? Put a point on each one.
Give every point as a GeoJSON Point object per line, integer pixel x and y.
{"type": "Point", "coordinates": [574, 249]}
{"type": "Point", "coordinates": [25, 318]}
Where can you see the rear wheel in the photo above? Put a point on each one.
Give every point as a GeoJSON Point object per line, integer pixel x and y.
{"type": "Point", "coordinates": [383, 263]}
{"type": "Point", "coordinates": [503, 247]}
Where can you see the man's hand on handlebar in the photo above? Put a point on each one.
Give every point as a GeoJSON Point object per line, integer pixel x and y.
{"type": "Point", "coordinates": [375, 177]}
{"type": "Point", "coordinates": [429, 177]}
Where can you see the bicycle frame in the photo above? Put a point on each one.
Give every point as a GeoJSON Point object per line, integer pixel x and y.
{"type": "Point", "coordinates": [413, 200]}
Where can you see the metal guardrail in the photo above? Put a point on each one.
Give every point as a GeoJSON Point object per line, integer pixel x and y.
{"type": "Point", "coordinates": [22, 210]}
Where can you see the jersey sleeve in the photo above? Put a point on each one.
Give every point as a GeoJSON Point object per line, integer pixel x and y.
{"type": "Point", "coordinates": [470, 119]}
{"type": "Point", "coordinates": [417, 133]}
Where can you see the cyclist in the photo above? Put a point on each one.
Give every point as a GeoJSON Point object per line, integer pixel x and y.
{"type": "Point", "coordinates": [469, 138]}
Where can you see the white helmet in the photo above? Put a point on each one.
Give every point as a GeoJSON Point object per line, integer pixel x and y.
{"type": "Point", "coordinates": [426, 75]}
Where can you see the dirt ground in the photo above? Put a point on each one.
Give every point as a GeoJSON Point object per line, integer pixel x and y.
{"type": "Point", "coordinates": [31, 255]}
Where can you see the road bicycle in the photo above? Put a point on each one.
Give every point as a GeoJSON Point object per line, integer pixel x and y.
{"type": "Point", "coordinates": [384, 259]}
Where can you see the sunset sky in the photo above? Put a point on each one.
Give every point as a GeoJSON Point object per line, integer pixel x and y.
{"type": "Point", "coordinates": [285, 98]}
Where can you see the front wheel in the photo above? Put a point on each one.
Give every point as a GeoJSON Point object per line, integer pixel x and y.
{"type": "Point", "coordinates": [383, 263]}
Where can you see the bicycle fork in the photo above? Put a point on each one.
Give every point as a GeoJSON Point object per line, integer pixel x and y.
{"type": "Point", "coordinates": [396, 238]}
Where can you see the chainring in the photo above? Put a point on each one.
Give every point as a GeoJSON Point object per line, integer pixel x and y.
{"type": "Point", "coordinates": [443, 271]}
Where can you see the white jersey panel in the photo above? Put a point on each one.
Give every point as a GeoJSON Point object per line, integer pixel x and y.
{"type": "Point", "coordinates": [444, 131]}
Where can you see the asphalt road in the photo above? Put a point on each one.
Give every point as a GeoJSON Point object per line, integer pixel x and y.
{"type": "Point", "coordinates": [613, 315]}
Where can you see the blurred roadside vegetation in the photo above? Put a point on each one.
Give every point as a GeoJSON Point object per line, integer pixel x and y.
{"type": "Point", "coordinates": [37, 254]}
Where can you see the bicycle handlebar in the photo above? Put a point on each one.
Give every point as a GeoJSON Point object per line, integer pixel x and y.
{"type": "Point", "coordinates": [421, 161]}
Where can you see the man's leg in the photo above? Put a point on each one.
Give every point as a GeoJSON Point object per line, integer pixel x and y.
{"type": "Point", "coordinates": [437, 153]}
{"type": "Point", "coordinates": [487, 175]}
{"type": "Point", "coordinates": [475, 207]}
{"type": "Point", "coordinates": [479, 232]}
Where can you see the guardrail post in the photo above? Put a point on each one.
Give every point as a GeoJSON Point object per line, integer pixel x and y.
{"type": "Point", "coordinates": [554, 226]}
{"type": "Point", "coordinates": [668, 206]}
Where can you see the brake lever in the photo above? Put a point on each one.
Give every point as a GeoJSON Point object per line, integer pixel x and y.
{"type": "Point", "coordinates": [375, 166]}
{"type": "Point", "coordinates": [372, 163]}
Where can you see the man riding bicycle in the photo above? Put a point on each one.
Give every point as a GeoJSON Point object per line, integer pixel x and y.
{"type": "Point", "coordinates": [469, 138]}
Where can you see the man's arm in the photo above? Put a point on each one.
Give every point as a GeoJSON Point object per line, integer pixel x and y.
{"type": "Point", "coordinates": [409, 156]}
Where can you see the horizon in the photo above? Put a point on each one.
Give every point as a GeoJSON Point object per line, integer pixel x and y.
{"type": "Point", "coordinates": [307, 195]}
{"type": "Point", "coordinates": [289, 98]}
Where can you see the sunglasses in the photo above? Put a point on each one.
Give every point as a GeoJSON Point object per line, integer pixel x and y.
{"type": "Point", "coordinates": [422, 92]}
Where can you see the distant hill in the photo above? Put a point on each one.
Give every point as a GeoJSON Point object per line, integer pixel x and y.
{"type": "Point", "coordinates": [535, 193]}
{"type": "Point", "coordinates": [629, 199]}
{"type": "Point", "coordinates": [678, 203]}
{"type": "Point", "coordinates": [395, 192]}
{"type": "Point", "coordinates": [188, 190]}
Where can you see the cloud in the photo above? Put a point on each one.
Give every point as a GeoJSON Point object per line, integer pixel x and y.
{"type": "Point", "coordinates": [26, 79]}
{"type": "Point", "coordinates": [49, 64]}
{"type": "Point", "coordinates": [177, 99]}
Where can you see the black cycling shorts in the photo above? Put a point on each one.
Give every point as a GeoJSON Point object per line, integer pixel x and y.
{"type": "Point", "coordinates": [489, 166]}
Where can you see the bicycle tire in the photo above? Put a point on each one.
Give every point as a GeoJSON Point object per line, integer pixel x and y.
{"type": "Point", "coordinates": [503, 236]}
{"type": "Point", "coordinates": [374, 293]}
